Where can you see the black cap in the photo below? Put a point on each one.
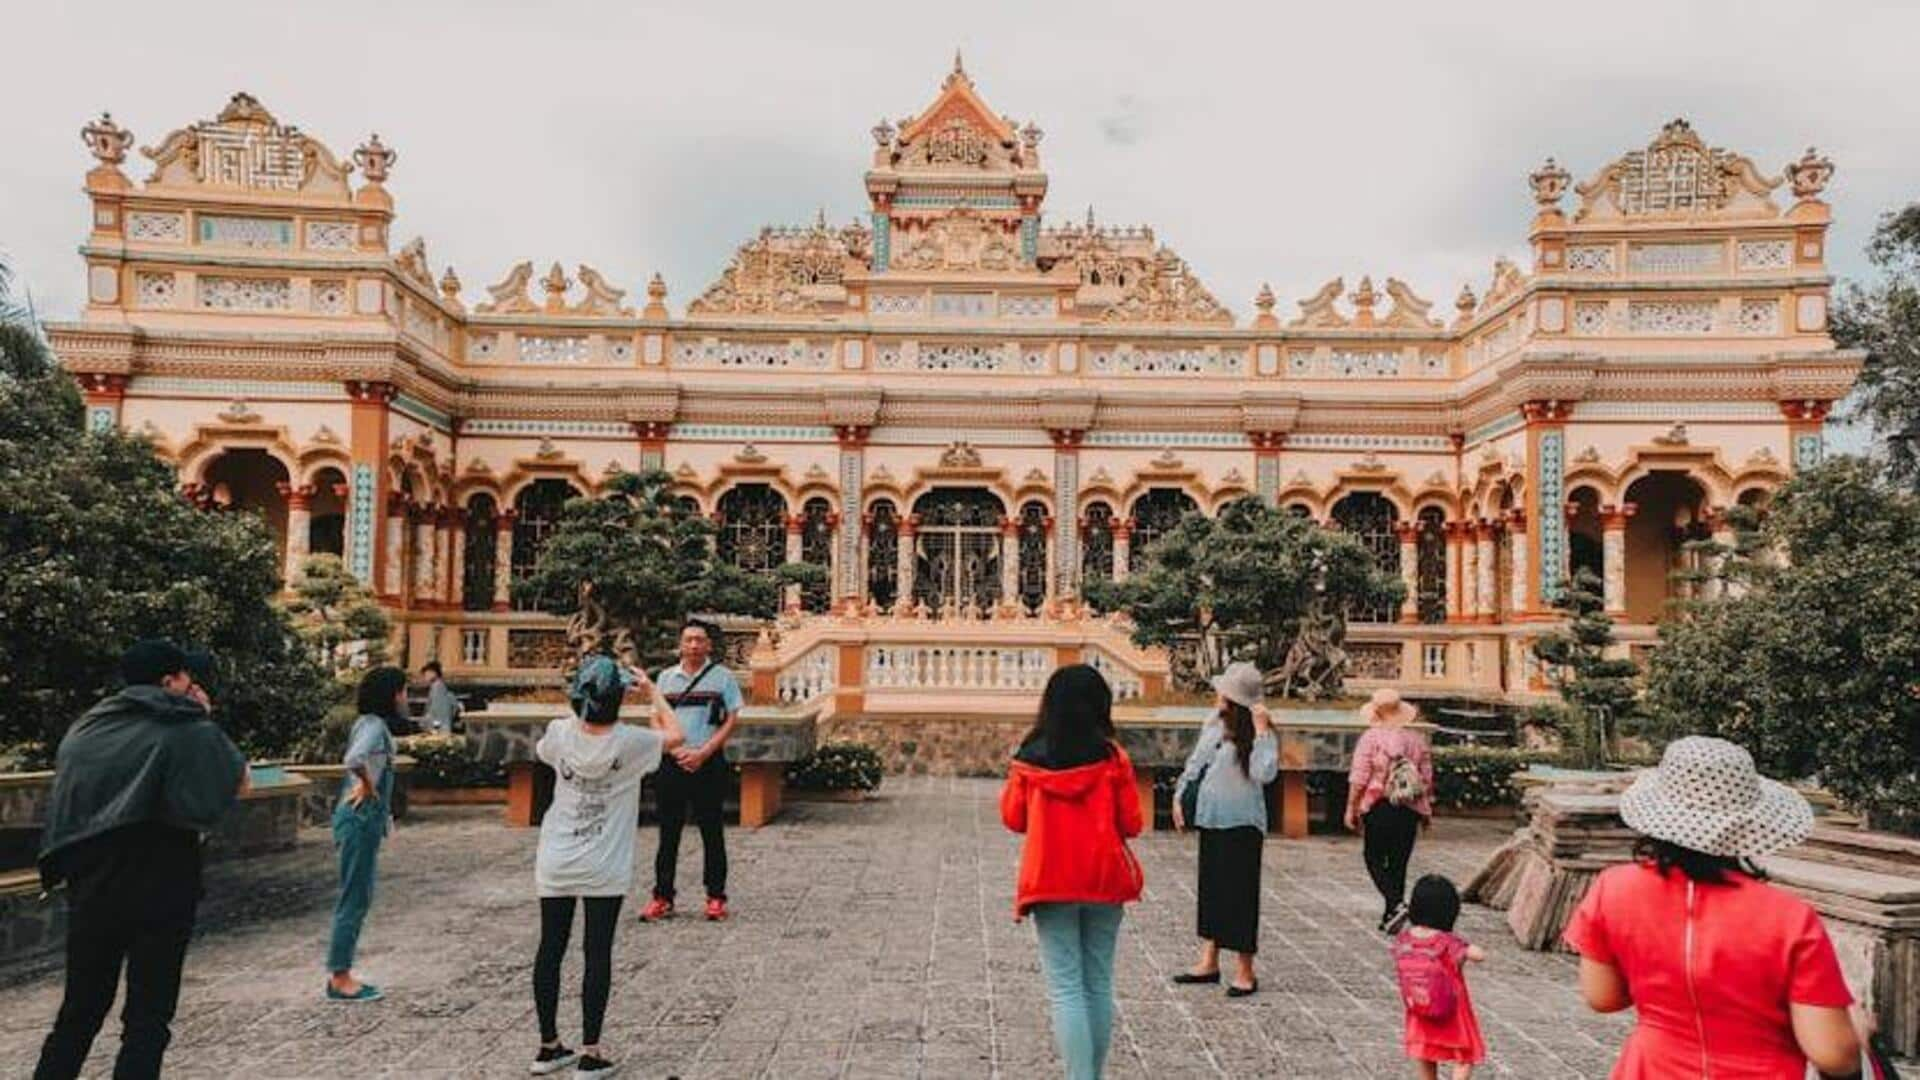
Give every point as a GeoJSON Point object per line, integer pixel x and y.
{"type": "Point", "coordinates": [145, 663]}
{"type": "Point", "coordinates": [200, 666]}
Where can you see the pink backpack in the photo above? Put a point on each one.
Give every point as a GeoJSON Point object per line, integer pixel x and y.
{"type": "Point", "coordinates": [1426, 983]}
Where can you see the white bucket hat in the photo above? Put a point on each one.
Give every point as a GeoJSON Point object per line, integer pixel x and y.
{"type": "Point", "coordinates": [1241, 684]}
{"type": "Point", "coordinates": [1706, 796]}
{"type": "Point", "coordinates": [1387, 707]}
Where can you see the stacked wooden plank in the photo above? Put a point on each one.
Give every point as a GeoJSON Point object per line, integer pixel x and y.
{"type": "Point", "coordinates": [1573, 832]}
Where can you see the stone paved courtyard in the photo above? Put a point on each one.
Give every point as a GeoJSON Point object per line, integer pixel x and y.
{"type": "Point", "coordinates": [868, 940]}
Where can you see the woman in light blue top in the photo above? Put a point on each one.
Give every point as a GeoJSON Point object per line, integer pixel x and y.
{"type": "Point", "coordinates": [360, 821]}
{"type": "Point", "coordinates": [1235, 759]}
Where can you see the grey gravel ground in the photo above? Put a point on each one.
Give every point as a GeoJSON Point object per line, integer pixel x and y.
{"type": "Point", "coordinates": [871, 940]}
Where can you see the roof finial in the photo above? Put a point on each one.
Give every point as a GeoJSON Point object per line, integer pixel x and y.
{"type": "Point", "coordinates": [958, 68]}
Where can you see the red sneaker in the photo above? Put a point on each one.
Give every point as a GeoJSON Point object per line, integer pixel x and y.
{"type": "Point", "coordinates": [716, 909]}
{"type": "Point", "coordinates": [657, 908]}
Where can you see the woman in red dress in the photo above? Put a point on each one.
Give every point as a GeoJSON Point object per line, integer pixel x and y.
{"type": "Point", "coordinates": [1731, 978]}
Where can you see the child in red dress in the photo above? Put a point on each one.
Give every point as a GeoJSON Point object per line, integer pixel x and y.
{"type": "Point", "coordinates": [1430, 961]}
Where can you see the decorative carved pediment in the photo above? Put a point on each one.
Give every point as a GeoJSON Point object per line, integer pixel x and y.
{"type": "Point", "coordinates": [510, 297]}
{"type": "Point", "coordinates": [784, 271]}
{"type": "Point", "coordinates": [412, 262]}
{"type": "Point", "coordinates": [1318, 310]}
{"type": "Point", "coordinates": [1035, 477]}
{"type": "Point", "coordinates": [1409, 311]}
{"type": "Point", "coordinates": [1437, 479]}
{"type": "Point", "coordinates": [547, 451]}
{"type": "Point", "coordinates": [1507, 281]}
{"type": "Point", "coordinates": [1165, 290]}
{"type": "Point", "coordinates": [1167, 459]}
{"type": "Point", "coordinates": [1673, 436]}
{"type": "Point", "coordinates": [1589, 456]}
{"type": "Point", "coordinates": [749, 455]}
{"type": "Point", "coordinates": [1762, 456]}
{"type": "Point", "coordinates": [476, 467]}
{"type": "Point", "coordinates": [326, 435]}
{"type": "Point", "coordinates": [1233, 478]}
{"type": "Point", "coordinates": [817, 475]}
{"type": "Point", "coordinates": [1677, 175]}
{"type": "Point", "coordinates": [686, 473]}
{"type": "Point", "coordinates": [246, 148]}
{"type": "Point", "coordinates": [602, 298]}
{"type": "Point", "coordinates": [960, 455]}
{"type": "Point", "coordinates": [957, 133]}
{"type": "Point", "coordinates": [1370, 463]}
{"type": "Point", "coordinates": [239, 412]}
{"type": "Point", "coordinates": [881, 475]}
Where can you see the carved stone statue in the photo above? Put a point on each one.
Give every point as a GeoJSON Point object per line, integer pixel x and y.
{"type": "Point", "coordinates": [1318, 310]}
{"type": "Point", "coordinates": [1316, 663]}
{"type": "Point", "coordinates": [510, 296]}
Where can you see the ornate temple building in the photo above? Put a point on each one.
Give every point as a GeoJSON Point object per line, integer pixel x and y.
{"type": "Point", "coordinates": [962, 412]}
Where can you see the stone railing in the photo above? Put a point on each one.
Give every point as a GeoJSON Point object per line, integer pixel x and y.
{"type": "Point", "coordinates": [883, 663]}
{"type": "Point", "coordinates": [810, 677]}
{"type": "Point", "coordinates": [958, 667]}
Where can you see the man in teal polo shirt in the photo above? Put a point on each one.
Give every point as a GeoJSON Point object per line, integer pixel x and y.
{"type": "Point", "coordinates": [706, 700]}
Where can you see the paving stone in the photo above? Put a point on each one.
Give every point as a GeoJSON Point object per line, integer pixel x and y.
{"type": "Point", "coordinates": [871, 939]}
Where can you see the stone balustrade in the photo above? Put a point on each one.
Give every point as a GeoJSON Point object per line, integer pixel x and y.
{"type": "Point", "coordinates": [961, 667]}
{"type": "Point", "coordinates": [810, 677]}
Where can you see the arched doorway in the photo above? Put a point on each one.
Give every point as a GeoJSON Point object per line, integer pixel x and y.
{"type": "Point", "coordinates": [1430, 564]}
{"type": "Point", "coordinates": [1586, 537]}
{"type": "Point", "coordinates": [1369, 517]}
{"type": "Point", "coordinates": [250, 480]}
{"type": "Point", "coordinates": [1155, 514]}
{"type": "Point", "coordinates": [1670, 513]}
{"type": "Point", "coordinates": [816, 547]}
{"type": "Point", "coordinates": [1032, 531]}
{"type": "Point", "coordinates": [753, 528]}
{"type": "Point", "coordinates": [883, 553]}
{"type": "Point", "coordinates": [538, 506]}
{"type": "Point", "coordinates": [957, 549]}
{"type": "Point", "coordinates": [327, 527]}
{"type": "Point", "coordinates": [479, 569]}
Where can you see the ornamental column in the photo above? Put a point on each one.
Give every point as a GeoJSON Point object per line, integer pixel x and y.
{"type": "Point", "coordinates": [1266, 463]}
{"type": "Point", "coordinates": [424, 545]}
{"type": "Point", "coordinates": [395, 586]}
{"type": "Point", "coordinates": [903, 556]}
{"type": "Point", "coordinates": [1009, 559]}
{"type": "Point", "coordinates": [503, 559]}
{"type": "Point", "coordinates": [1122, 548]}
{"type": "Point", "coordinates": [1806, 427]}
{"type": "Point", "coordinates": [1456, 570]}
{"type": "Point", "coordinates": [795, 526]}
{"type": "Point", "coordinates": [1485, 565]}
{"type": "Point", "coordinates": [1409, 534]}
{"type": "Point", "coordinates": [457, 558]}
{"type": "Point", "coordinates": [844, 565]}
{"type": "Point", "coordinates": [299, 528]}
{"type": "Point", "coordinates": [1063, 529]}
{"type": "Point", "coordinates": [1613, 556]}
{"type": "Point", "coordinates": [368, 539]}
{"type": "Point", "coordinates": [1545, 494]}
{"type": "Point", "coordinates": [105, 395]}
{"type": "Point", "coordinates": [1517, 545]}
{"type": "Point", "coordinates": [1469, 571]}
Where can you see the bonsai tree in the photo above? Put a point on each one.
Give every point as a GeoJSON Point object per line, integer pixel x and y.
{"type": "Point", "coordinates": [1815, 666]}
{"type": "Point", "coordinates": [1600, 692]}
{"type": "Point", "coordinates": [338, 618]}
{"type": "Point", "coordinates": [631, 565]}
{"type": "Point", "coordinates": [1254, 584]}
{"type": "Point", "coordinates": [97, 550]}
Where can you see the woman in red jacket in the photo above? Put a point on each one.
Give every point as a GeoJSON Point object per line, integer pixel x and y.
{"type": "Point", "coordinates": [1070, 789]}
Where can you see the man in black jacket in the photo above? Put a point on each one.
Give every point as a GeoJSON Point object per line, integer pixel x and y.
{"type": "Point", "coordinates": [137, 781]}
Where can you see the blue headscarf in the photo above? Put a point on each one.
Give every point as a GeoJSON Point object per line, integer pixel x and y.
{"type": "Point", "coordinates": [597, 689]}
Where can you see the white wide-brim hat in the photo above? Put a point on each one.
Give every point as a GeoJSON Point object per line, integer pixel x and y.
{"type": "Point", "coordinates": [1387, 707]}
{"type": "Point", "coordinates": [1706, 796]}
{"type": "Point", "coordinates": [1241, 684]}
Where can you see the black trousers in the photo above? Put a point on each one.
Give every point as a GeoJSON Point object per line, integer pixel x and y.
{"type": "Point", "coordinates": [131, 903]}
{"type": "Point", "coordinates": [596, 981]}
{"type": "Point", "coordinates": [1387, 847]}
{"type": "Point", "coordinates": [704, 792]}
{"type": "Point", "coordinates": [1229, 892]}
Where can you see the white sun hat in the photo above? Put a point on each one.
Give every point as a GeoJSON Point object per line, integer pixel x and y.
{"type": "Point", "coordinates": [1387, 707]}
{"type": "Point", "coordinates": [1707, 796]}
{"type": "Point", "coordinates": [1241, 684]}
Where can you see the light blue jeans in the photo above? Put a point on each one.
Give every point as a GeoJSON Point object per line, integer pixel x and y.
{"type": "Point", "coordinates": [1076, 952]}
{"type": "Point", "coordinates": [357, 835]}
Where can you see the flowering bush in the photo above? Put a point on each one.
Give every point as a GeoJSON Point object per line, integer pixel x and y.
{"type": "Point", "coordinates": [444, 761]}
{"type": "Point", "coordinates": [1465, 777]}
{"type": "Point", "coordinates": [846, 766]}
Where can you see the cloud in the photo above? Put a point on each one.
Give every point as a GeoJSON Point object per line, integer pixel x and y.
{"type": "Point", "coordinates": [1124, 121]}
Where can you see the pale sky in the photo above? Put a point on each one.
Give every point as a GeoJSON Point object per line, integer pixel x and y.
{"type": "Point", "coordinates": [1263, 141]}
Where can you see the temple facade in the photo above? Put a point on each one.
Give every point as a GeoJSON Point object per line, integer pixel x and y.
{"type": "Point", "coordinates": [961, 411]}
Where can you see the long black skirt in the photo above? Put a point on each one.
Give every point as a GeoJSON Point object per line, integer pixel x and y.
{"type": "Point", "coordinates": [1230, 887]}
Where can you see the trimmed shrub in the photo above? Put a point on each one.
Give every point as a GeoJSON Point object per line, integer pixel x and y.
{"type": "Point", "coordinates": [846, 766]}
{"type": "Point", "coordinates": [1468, 777]}
{"type": "Point", "coordinates": [444, 761]}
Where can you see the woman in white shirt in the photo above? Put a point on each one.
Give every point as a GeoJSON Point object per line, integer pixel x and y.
{"type": "Point", "coordinates": [586, 846]}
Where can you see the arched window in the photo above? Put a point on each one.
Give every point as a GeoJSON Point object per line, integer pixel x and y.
{"type": "Point", "coordinates": [1369, 517]}
{"type": "Point", "coordinates": [1300, 510]}
{"type": "Point", "coordinates": [476, 577]}
{"type": "Point", "coordinates": [883, 554]}
{"type": "Point", "coordinates": [1586, 542]}
{"type": "Point", "coordinates": [539, 505]}
{"type": "Point", "coordinates": [753, 528]}
{"type": "Point", "coordinates": [327, 527]}
{"type": "Point", "coordinates": [1431, 564]}
{"type": "Point", "coordinates": [1156, 514]}
{"type": "Point", "coordinates": [1033, 556]}
{"type": "Point", "coordinates": [816, 547]}
{"type": "Point", "coordinates": [1096, 543]}
{"type": "Point", "coordinates": [957, 549]}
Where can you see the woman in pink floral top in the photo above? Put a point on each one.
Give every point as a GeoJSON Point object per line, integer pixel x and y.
{"type": "Point", "coordinates": [1390, 797]}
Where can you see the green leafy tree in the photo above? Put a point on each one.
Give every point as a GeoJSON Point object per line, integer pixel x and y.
{"type": "Point", "coordinates": [1601, 693]}
{"type": "Point", "coordinates": [1814, 663]}
{"type": "Point", "coordinates": [646, 565]}
{"type": "Point", "coordinates": [97, 551]}
{"type": "Point", "coordinates": [338, 618]}
{"type": "Point", "coordinates": [1249, 584]}
{"type": "Point", "coordinates": [1883, 317]}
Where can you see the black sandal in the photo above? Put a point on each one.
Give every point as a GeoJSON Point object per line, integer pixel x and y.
{"type": "Point", "coordinates": [1187, 978]}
